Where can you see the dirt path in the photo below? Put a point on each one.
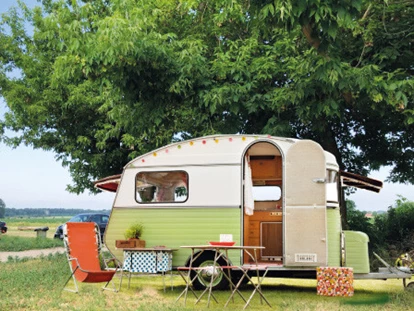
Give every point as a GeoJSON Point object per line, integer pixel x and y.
{"type": "Point", "coordinates": [31, 253]}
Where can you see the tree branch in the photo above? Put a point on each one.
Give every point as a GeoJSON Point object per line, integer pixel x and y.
{"type": "Point", "coordinates": [308, 32]}
{"type": "Point", "coordinates": [367, 12]}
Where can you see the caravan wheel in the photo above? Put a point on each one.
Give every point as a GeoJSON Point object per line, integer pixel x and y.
{"type": "Point", "coordinates": [206, 261]}
{"type": "Point", "coordinates": [410, 287]}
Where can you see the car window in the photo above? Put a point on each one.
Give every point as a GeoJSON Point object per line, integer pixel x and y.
{"type": "Point", "coordinates": [96, 218]}
{"type": "Point", "coordinates": [77, 218]}
{"type": "Point", "coordinates": [105, 219]}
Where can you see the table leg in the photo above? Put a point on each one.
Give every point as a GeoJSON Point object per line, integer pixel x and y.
{"type": "Point", "coordinates": [163, 279]}
{"type": "Point", "coordinates": [257, 288]}
{"type": "Point", "coordinates": [258, 275]}
{"type": "Point", "coordinates": [209, 295]}
{"type": "Point", "coordinates": [187, 277]}
{"type": "Point", "coordinates": [170, 267]}
{"type": "Point", "coordinates": [184, 275]}
{"type": "Point", "coordinates": [159, 258]}
{"type": "Point", "coordinates": [236, 289]}
{"type": "Point", "coordinates": [213, 272]}
{"type": "Point", "coordinates": [228, 272]}
{"type": "Point", "coordinates": [209, 288]}
{"type": "Point", "coordinates": [129, 269]}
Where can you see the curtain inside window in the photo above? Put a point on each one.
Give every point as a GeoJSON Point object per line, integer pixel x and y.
{"type": "Point", "coordinates": [248, 188]}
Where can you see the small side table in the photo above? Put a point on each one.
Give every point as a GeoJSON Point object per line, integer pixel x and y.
{"type": "Point", "coordinates": [148, 260]}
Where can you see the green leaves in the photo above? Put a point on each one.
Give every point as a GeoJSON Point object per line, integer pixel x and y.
{"type": "Point", "coordinates": [105, 82]}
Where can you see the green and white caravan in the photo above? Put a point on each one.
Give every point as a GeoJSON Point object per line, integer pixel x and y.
{"type": "Point", "coordinates": [276, 192]}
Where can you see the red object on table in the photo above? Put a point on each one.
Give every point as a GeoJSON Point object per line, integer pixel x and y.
{"type": "Point", "coordinates": [222, 243]}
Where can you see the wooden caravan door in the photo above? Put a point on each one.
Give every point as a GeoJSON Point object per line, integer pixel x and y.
{"type": "Point", "coordinates": [271, 235]}
{"type": "Point", "coordinates": [263, 226]}
{"type": "Point", "coordinates": [305, 210]}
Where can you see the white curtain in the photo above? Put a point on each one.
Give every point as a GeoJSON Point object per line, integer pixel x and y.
{"type": "Point", "coordinates": [248, 188]}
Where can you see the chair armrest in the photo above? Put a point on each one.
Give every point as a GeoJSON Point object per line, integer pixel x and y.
{"type": "Point", "coordinates": [74, 259]}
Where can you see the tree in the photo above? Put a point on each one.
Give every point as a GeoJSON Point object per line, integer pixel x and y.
{"type": "Point", "coordinates": [357, 221]}
{"type": "Point", "coordinates": [395, 230]}
{"type": "Point", "coordinates": [356, 218]}
{"type": "Point", "coordinates": [400, 226]}
{"type": "Point", "coordinates": [103, 81]}
{"type": "Point", "coordinates": [390, 234]}
{"type": "Point", "coordinates": [2, 208]}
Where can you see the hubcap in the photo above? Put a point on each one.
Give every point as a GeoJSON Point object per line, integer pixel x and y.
{"type": "Point", "coordinates": [204, 277]}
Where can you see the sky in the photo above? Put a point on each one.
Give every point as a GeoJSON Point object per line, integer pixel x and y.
{"type": "Point", "coordinates": [34, 179]}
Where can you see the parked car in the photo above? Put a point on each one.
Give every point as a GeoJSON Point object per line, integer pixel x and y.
{"type": "Point", "coordinates": [3, 227]}
{"type": "Point", "coordinates": [100, 219]}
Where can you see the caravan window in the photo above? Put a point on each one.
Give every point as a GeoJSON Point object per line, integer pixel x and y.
{"type": "Point", "coordinates": [267, 193]}
{"type": "Point", "coordinates": [166, 186]}
{"type": "Point", "coordinates": [332, 186]}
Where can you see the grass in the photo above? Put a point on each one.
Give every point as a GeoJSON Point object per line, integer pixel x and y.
{"type": "Point", "coordinates": [35, 221]}
{"type": "Point", "coordinates": [9, 243]}
{"type": "Point", "coordinates": [33, 284]}
{"type": "Point", "coordinates": [36, 284]}
{"type": "Point", "coordinates": [15, 240]}
{"type": "Point", "coordinates": [15, 222]}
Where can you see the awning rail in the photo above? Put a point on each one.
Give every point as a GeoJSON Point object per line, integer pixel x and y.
{"type": "Point", "coordinates": [354, 180]}
{"type": "Point", "coordinates": [109, 183]}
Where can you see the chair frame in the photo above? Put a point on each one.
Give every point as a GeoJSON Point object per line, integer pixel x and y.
{"type": "Point", "coordinates": [118, 264]}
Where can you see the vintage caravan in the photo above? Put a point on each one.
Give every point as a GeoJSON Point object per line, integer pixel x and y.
{"type": "Point", "coordinates": [275, 192]}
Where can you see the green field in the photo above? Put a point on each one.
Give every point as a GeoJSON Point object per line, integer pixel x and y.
{"type": "Point", "coordinates": [15, 222]}
{"type": "Point", "coordinates": [17, 240]}
{"type": "Point", "coordinates": [51, 222]}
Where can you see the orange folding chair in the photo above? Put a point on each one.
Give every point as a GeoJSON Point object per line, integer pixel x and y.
{"type": "Point", "coordinates": [83, 242]}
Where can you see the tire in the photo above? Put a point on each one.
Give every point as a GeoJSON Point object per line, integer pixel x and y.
{"type": "Point", "coordinates": [236, 276]}
{"type": "Point", "coordinates": [410, 287]}
{"type": "Point", "coordinates": [203, 279]}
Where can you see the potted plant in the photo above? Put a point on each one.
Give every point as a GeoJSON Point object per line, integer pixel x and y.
{"type": "Point", "coordinates": [132, 235]}
{"type": "Point", "coordinates": [134, 231]}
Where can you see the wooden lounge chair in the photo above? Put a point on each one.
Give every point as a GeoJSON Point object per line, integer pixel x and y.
{"type": "Point", "coordinates": [82, 242]}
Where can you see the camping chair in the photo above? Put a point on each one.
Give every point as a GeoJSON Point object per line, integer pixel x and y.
{"type": "Point", "coordinates": [83, 242]}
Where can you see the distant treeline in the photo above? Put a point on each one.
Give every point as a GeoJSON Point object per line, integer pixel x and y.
{"type": "Point", "coordinates": [48, 212]}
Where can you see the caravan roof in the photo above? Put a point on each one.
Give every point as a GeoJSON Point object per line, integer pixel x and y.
{"type": "Point", "coordinates": [214, 149]}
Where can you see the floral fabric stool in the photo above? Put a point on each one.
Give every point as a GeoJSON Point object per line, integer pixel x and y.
{"type": "Point", "coordinates": [335, 281]}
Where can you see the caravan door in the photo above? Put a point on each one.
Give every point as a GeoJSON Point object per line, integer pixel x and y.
{"type": "Point", "coordinates": [305, 205]}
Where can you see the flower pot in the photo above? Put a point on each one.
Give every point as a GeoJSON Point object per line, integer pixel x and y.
{"type": "Point", "coordinates": [138, 243]}
{"type": "Point", "coordinates": [131, 243]}
{"type": "Point", "coordinates": [125, 243]}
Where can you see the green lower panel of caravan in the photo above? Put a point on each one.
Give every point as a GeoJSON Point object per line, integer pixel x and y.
{"type": "Point", "coordinates": [356, 251]}
{"type": "Point", "coordinates": [174, 228]}
{"type": "Point", "coordinates": [334, 237]}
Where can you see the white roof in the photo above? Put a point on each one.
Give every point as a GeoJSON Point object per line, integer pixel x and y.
{"type": "Point", "coordinates": [214, 149]}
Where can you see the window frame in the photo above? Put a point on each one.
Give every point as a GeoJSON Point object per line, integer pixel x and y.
{"type": "Point", "coordinates": [162, 202]}
{"type": "Point", "coordinates": [271, 200]}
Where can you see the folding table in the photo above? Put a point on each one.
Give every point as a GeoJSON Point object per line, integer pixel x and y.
{"type": "Point", "coordinates": [245, 269]}
{"type": "Point", "coordinates": [221, 251]}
